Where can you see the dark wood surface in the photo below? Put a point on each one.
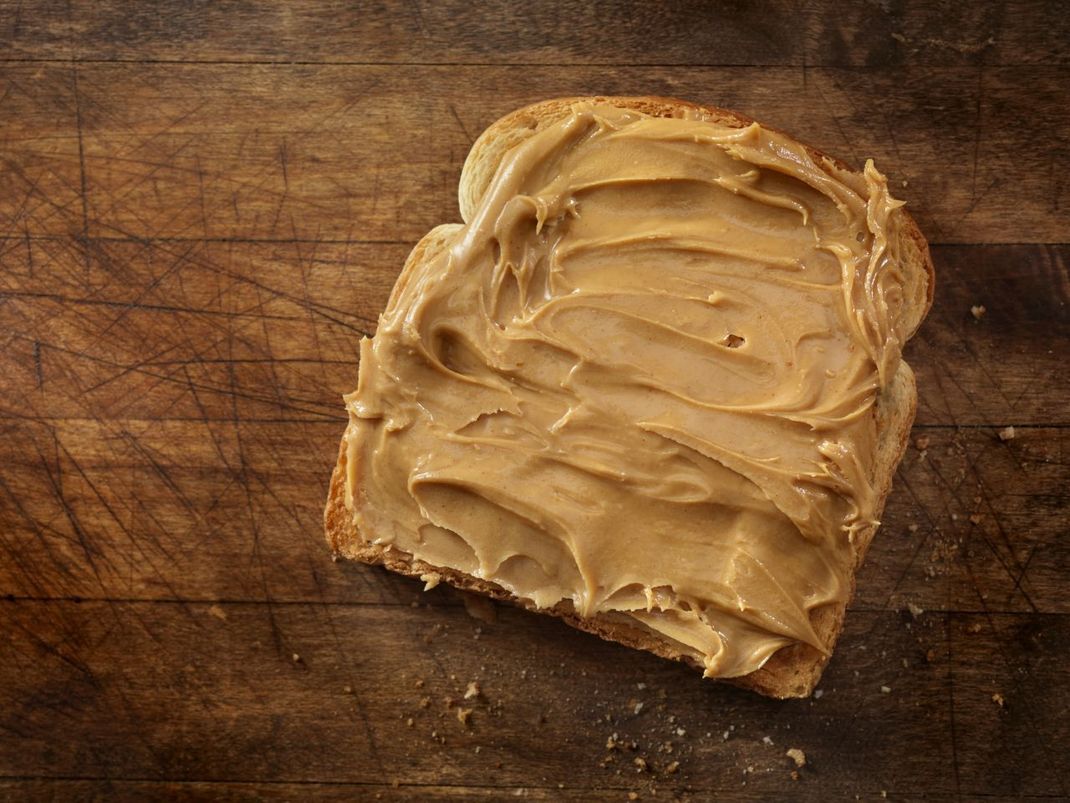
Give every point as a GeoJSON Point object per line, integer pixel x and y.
{"type": "Point", "coordinates": [203, 207]}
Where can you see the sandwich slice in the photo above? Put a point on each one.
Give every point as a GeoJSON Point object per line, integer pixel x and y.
{"type": "Point", "coordinates": [653, 384]}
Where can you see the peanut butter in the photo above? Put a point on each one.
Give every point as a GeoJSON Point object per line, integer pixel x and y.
{"type": "Point", "coordinates": [641, 382]}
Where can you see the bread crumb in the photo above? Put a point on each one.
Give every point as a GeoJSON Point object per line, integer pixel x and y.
{"type": "Point", "coordinates": [409, 722]}
{"type": "Point", "coordinates": [431, 579]}
{"type": "Point", "coordinates": [921, 442]}
{"type": "Point", "coordinates": [797, 755]}
{"type": "Point", "coordinates": [681, 732]}
{"type": "Point", "coordinates": [640, 686]}
{"type": "Point", "coordinates": [347, 689]}
{"type": "Point", "coordinates": [794, 775]}
{"type": "Point", "coordinates": [973, 628]}
{"type": "Point", "coordinates": [886, 690]}
{"type": "Point", "coordinates": [425, 702]}
{"type": "Point", "coordinates": [912, 528]}
{"type": "Point", "coordinates": [976, 518]}
{"type": "Point", "coordinates": [419, 684]}
{"type": "Point", "coordinates": [766, 740]}
{"type": "Point", "coordinates": [218, 613]}
{"type": "Point", "coordinates": [672, 767]}
{"type": "Point", "coordinates": [640, 763]}
{"type": "Point", "coordinates": [724, 736]}
{"type": "Point", "coordinates": [884, 793]}
{"type": "Point", "coordinates": [463, 715]}
{"type": "Point", "coordinates": [638, 707]}
{"type": "Point", "coordinates": [978, 311]}
{"type": "Point", "coordinates": [472, 691]}
{"type": "Point", "coordinates": [1006, 434]}
{"type": "Point", "coordinates": [296, 658]}
{"type": "Point", "coordinates": [633, 796]}
{"type": "Point", "coordinates": [997, 698]}
{"type": "Point", "coordinates": [915, 609]}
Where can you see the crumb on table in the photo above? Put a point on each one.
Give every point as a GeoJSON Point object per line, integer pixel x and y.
{"type": "Point", "coordinates": [797, 755]}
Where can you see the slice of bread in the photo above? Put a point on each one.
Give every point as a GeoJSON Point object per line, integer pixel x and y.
{"type": "Point", "coordinates": [792, 671]}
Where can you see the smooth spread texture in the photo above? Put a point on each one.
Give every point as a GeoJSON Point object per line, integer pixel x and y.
{"type": "Point", "coordinates": [641, 382]}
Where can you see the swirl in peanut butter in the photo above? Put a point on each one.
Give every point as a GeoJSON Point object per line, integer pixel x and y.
{"type": "Point", "coordinates": [640, 381]}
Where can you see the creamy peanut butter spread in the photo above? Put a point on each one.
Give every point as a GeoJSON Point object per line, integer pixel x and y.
{"type": "Point", "coordinates": [641, 382]}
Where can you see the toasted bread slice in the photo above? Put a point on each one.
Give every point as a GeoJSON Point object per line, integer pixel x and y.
{"type": "Point", "coordinates": [791, 671]}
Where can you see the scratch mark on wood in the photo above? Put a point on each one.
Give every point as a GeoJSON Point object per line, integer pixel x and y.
{"type": "Point", "coordinates": [29, 251]}
{"type": "Point", "coordinates": [978, 532]}
{"type": "Point", "coordinates": [902, 481]}
{"type": "Point", "coordinates": [847, 141]}
{"type": "Point", "coordinates": [38, 373]}
{"type": "Point", "coordinates": [460, 125]}
{"type": "Point", "coordinates": [30, 572]}
{"type": "Point", "coordinates": [81, 164]}
{"type": "Point", "coordinates": [56, 481]}
{"type": "Point", "coordinates": [48, 648]}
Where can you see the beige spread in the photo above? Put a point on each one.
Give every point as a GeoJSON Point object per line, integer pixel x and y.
{"type": "Point", "coordinates": [640, 382]}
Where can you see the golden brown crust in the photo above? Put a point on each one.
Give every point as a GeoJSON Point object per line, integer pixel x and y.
{"type": "Point", "coordinates": [791, 672]}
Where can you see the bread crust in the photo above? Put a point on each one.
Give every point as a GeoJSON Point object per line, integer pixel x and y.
{"type": "Point", "coordinates": [792, 671]}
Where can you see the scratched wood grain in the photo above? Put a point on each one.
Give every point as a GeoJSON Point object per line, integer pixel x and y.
{"type": "Point", "coordinates": [278, 709]}
{"type": "Point", "coordinates": [569, 32]}
{"type": "Point", "coordinates": [271, 151]}
{"type": "Point", "coordinates": [203, 208]}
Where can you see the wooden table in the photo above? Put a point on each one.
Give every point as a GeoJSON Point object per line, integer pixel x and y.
{"type": "Point", "coordinates": [203, 208]}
